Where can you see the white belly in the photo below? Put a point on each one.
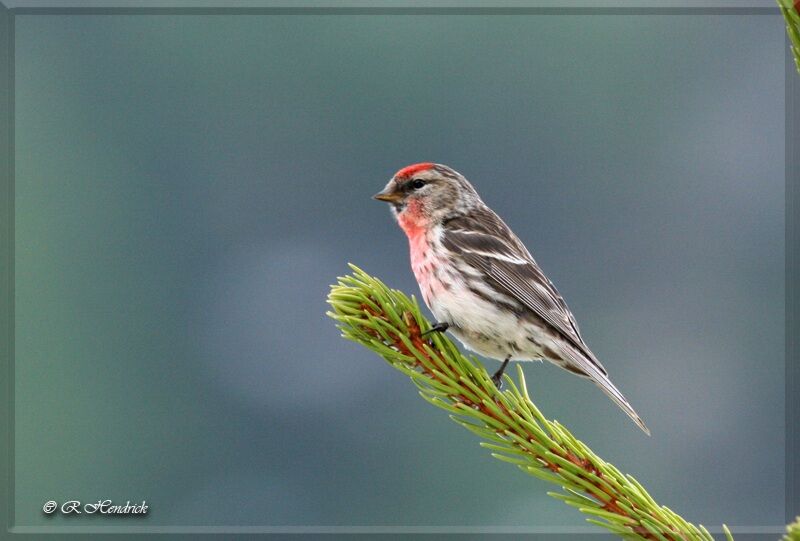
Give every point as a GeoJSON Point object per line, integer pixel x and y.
{"type": "Point", "coordinates": [484, 327]}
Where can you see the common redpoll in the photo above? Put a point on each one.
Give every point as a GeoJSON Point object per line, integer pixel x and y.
{"type": "Point", "coordinates": [481, 283]}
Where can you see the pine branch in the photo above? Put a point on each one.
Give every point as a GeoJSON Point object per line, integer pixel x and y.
{"type": "Point", "coordinates": [512, 427]}
{"type": "Point", "coordinates": [791, 14]}
{"type": "Point", "coordinates": [793, 531]}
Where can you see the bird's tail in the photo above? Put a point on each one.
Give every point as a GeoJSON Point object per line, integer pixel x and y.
{"type": "Point", "coordinates": [600, 378]}
{"type": "Point", "coordinates": [613, 393]}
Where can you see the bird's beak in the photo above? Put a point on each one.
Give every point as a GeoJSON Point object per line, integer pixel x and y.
{"type": "Point", "coordinates": [388, 195]}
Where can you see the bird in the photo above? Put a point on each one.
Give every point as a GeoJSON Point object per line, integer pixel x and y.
{"type": "Point", "coordinates": [481, 283]}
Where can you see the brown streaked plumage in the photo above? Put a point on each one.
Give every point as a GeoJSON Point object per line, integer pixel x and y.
{"type": "Point", "coordinates": [480, 281]}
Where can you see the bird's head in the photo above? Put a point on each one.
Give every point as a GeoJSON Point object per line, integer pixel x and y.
{"type": "Point", "coordinates": [428, 193]}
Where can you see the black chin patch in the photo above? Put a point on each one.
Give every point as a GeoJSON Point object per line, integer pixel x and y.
{"type": "Point", "coordinates": [399, 206]}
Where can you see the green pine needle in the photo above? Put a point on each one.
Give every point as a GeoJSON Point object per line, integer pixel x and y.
{"type": "Point", "coordinates": [793, 531]}
{"type": "Point", "coordinates": [512, 427]}
{"type": "Point", "coordinates": [792, 18]}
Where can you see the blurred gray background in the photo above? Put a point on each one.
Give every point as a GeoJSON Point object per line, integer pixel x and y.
{"type": "Point", "coordinates": [187, 187]}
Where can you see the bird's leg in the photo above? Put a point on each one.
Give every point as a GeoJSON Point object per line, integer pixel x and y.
{"type": "Point", "coordinates": [437, 327]}
{"type": "Point", "coordinates": [497, 378]}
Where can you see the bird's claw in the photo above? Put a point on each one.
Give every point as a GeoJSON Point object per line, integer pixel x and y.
{"type": "Point", "coordinates": [497, 379]}
{"type": "Point", "coordinates": [437, 327]}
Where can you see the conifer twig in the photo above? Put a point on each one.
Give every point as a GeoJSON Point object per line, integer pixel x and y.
{"type": "Point", "coordinates": [791, 14]}
{"type": "Point", "coordinates": [512, 427]}
{"type": "Point", "coordinates": [793, 531]}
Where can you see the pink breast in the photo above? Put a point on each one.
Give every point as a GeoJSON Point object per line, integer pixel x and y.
{"type": "Point", "coordinates": [423, 261]}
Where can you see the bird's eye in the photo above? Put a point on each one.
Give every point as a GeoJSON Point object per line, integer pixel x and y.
{"type": "Point", "coordinates": [417, 183]}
